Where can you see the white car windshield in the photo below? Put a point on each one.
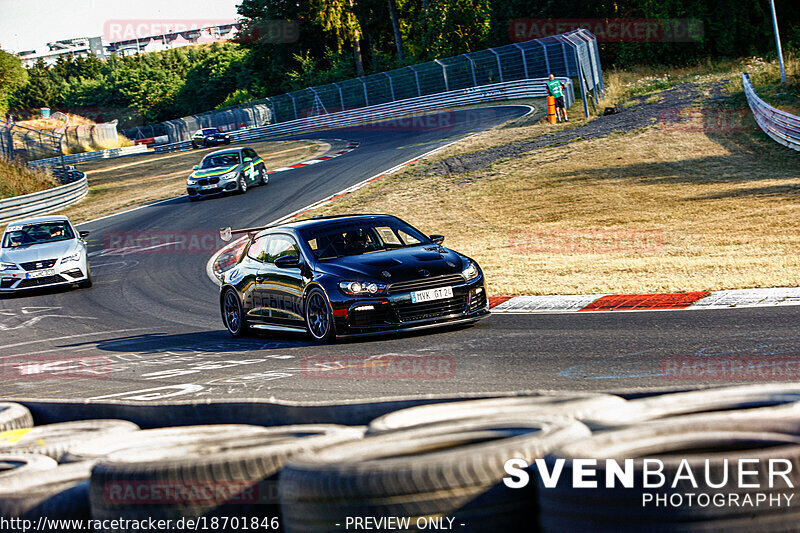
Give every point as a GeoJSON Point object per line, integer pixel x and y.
{"type": "Point", "coordinates": [30, 234]}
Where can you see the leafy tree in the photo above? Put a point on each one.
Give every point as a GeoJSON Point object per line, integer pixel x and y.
{"type": "Point", "coordinates": [12, 77]}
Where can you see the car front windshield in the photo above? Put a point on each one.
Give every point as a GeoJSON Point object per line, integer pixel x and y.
{"type": "Point", "coordinates": [220, 160]}
{"type": "Point", "coordinates": [32, 234]}
{"type": "Point", "coordinates": [210, 132]}
{"type": "Point", "coordinates": [339, 239]}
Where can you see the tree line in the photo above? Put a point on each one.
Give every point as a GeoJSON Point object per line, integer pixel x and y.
{"type": "Point", "coordinates": [340, 39]}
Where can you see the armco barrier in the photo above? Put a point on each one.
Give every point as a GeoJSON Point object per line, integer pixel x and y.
{"type": "Point", "coordinates": [42, 203]}
{"type": "Point", "coordinates": [89, 156]}
{"type": "Point", "coordinates": [780, 125]}
{"type": "Point", "coordinates": [532, 88]}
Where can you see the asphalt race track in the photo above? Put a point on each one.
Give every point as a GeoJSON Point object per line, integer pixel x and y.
{"type": "Point", "coordinates": [150, 329]}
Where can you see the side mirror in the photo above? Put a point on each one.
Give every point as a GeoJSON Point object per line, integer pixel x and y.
{"type": "Point", "coordinates": [84, 234]}
{"type": "Point", "coordinates": [195, 167]}
{"type": "Point", "coordinates": [287, 261]}
{"type": "Point", "coordinates": [437, 239]}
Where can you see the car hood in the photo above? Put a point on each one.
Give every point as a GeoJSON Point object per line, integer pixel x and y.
{"type": "Point", "coordinates": [403, 264]}
{"type": "Point", "coordinates": [210, 172]}
{"type": "Point", "coordinates": [37, 252]}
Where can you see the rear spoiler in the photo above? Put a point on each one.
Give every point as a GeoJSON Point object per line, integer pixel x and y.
{"type": "Point", "coordinates": [226, 234]}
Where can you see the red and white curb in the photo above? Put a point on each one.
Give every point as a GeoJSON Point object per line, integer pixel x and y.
{"type": "Point", "coordinates": [728, 299]}
{"type": "Point", "coordinates": [351, 145]}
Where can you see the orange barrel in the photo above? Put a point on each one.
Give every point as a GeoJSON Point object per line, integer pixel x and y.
{"type": "Point", "coordinates": [551, 110]}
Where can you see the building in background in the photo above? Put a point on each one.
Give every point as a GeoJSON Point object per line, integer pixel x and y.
{"type": "Point", "coordinates": [83, 46]}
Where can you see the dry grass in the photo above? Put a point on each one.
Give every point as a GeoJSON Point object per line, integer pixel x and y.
{"type": "Point", "coordinates": [72, 143]}
{"type": "Point", "coordinates": [119, 184]}
{"type": "Point", "coordinates": [647, 211]}
{"type": "Point", "coordinates": [17, 179]}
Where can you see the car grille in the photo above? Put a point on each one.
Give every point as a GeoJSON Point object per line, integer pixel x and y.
{"type": "Point", "coordinates": [38, 282]}
{"type": "Point", "coordinates": [38, 265]}
{"type": "Point", "coordinates": [208, 181]}
{"type": "Point", "coordinates": [407, 311]}
{"type": "Point", "coordinates": [6, 283]}
{"type": "Point", "coordinates": [477, 301]}
{"type": "Point", "coordinates": [379, 316]}
{"type": "Point", "coordinates": [426, 283]}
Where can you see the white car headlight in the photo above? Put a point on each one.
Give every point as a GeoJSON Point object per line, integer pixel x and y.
{"type": "Point", "coordinates": [471, 272]}
{"type": "Point", "coordinates": [228, 176]}
{"type": "Point", "coordinates": [5, 267]}
{"type": "Point", "coordinates": [71, 257]}
{"type": "Point", "coordinates": [356, 288]}
{"type": "Point", "coordinates": [191, 181]}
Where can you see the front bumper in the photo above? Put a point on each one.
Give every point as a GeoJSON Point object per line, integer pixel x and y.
{"type": "Point", "coordinates": [220, 188]}
{"type": "Point", "coordinates": [396, 312]}
{"type": "Point", "coordinates": [11, 282]}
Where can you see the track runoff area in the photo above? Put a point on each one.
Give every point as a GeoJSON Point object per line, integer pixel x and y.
{"type": "Point", "coordinates": [146, 345]}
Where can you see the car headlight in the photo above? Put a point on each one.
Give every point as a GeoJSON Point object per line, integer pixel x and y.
{"type": "Point", "coordinates": [471, 272]}
{"type": "Point", "coordinates": [71, 257]}
{"type": "Point", "coordinates": [191, 181]}
{"type": "Point", "coordinates": [228, 176]}
{"type": "Point", "coordinates": [360, 288]}
{"type": "Point", "coordinates": [5, 267]}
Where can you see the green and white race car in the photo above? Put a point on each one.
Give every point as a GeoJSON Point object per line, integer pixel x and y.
{"type": "Point", "coordinates": [231, 170]}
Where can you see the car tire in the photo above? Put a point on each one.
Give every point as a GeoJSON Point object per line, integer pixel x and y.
{"type": "Point", "coordinates": [88, 282]}
{"type": "Point", "coordinates": [227, 141]}
{"type": "Point", "coordinates": [233, 315]}
{"type": "Point", "coordinates": [53, 440]}
{"type": "Point", "coordinates": [454, 470]}
{"type": "Point", "coordinates": [319, 317]}
{"type": "Point", "coordinates": [240, 471]}
{"type": "Point", "coordinates": [566, 405]}
{"type": "Point", "coordinates": [14, 416]}
{"type": "Point", "coordinates": [263, 177]}
{"type": "Point", "coordinates": [55, 493]}
{"type": "Point", "coordinates": [19, 466]}
{"type": "Point", "coordinates": [194, 145]}
{"type": "Point", "coordinates": [242, 188]}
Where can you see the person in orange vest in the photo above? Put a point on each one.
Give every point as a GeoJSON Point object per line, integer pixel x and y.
{"type": "Point", "coordinates": [556, 89]}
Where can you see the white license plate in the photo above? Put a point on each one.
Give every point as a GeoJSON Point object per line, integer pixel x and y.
{"type": "Point", "coordinates": [42, 273]}
{"type": "Point", "coordinates": [432, 294]}
{"type": "Point", "coordinates": [207, 187]}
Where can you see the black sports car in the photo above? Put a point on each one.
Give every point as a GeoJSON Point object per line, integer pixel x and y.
{"type": "Point", "coordinates": [348, 275]}
{"type": "Point", "coordinates": [209, 137]}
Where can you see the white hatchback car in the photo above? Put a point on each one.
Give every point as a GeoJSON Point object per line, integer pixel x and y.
{"type": "Point", "coordinates": [43, 252]}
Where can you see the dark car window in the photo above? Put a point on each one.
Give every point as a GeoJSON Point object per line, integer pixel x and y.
{"type": "Point", "coordinates": [250, 153]}
{"type": "Point", "coordinates": [338, 239]}
{"type": "Point", "coordinates": [220, 160]}
{"type": "Point", "coordinates": [37, 234]}
{"type": "Point", "coordinates": [210, 131]}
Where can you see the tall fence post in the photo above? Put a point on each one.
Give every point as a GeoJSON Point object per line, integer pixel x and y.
{"type": "Point", "coordinates": [341, 94]}
{"type": "Point", "coordinates": [294, 105]}
{"type": "Point", "coordinates": [499, 65]}
{"type": "Point", "coordinates": [524, 60]}
{"type": "Point", "coordinates": [391, 85]}
{"type": "Point", "coordinates": [474, 75]}
{"type": "Point", "coordinates": [416, 77]}
{"type": "Point", "coordinates": [444, 73]}
{"type": "Point", "coordinates": [366, 96]}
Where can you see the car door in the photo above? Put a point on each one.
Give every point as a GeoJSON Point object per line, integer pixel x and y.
{"type": "Point", "coordinates": [250, 171]}
{"type": "Point", "coordinates": [282, 288]}
{"type": "Point", "coordinates": [251, 285]}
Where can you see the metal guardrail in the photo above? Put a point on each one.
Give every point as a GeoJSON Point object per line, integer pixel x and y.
{"type": "Point", "coordinates": [89, 156]}
{"type": "Point", "coordinates": [783, 127]}
{"type": "Point", "coordinates": [44, 202]}
{"type": "Point", "coordinates": [531, 88]}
